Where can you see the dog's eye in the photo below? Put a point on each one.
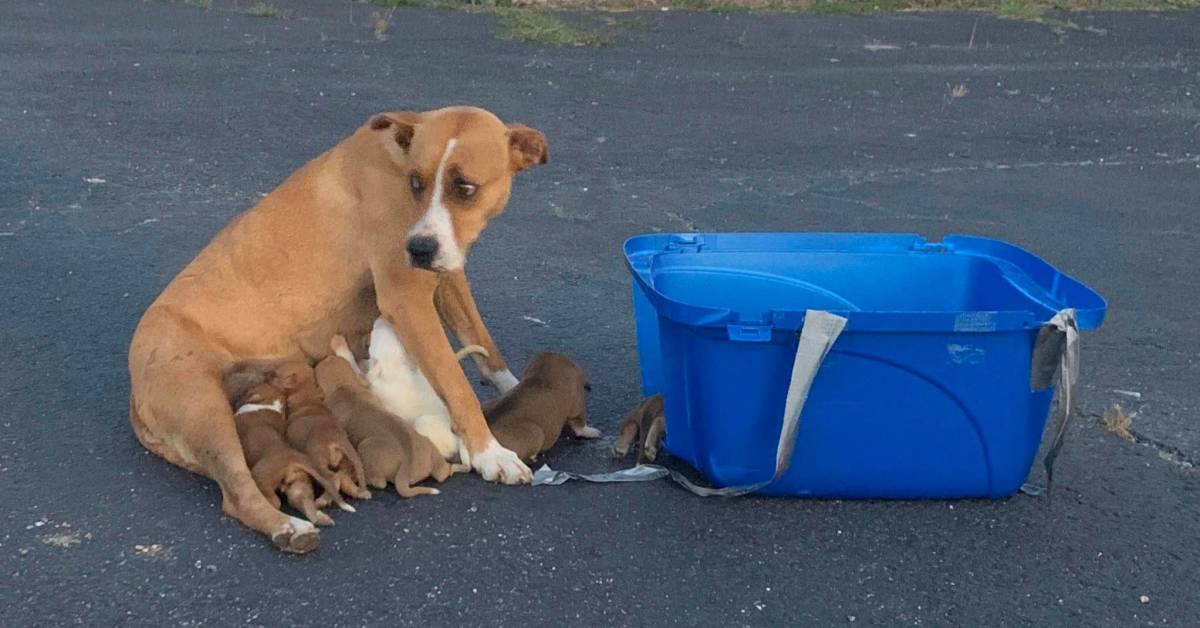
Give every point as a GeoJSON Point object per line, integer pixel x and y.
{"type": "Point", "coordinates": [417, 185]}
{"type": "Point", "coordinates": [464, 189]}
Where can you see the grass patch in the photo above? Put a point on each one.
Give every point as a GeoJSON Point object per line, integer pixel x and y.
{"type": "Point", "coordinates": [261, 9]}
{"type": "Point", "coordinates": [1015, 9]}
{"type": "Point", "coordinates": [533, 21]}
{"type": "Point", "coordinates": [1117, 421]}
{"type": "Point", "coordinates": [543, 28]}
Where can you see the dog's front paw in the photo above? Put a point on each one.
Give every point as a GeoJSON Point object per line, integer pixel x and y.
{"type": "Point", "coordinates": [497, 463]}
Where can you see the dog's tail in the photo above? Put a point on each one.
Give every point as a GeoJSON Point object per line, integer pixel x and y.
{"type": "Point", "coordinates": [469, 350]}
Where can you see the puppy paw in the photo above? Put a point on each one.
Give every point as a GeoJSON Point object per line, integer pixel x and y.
{"type": "Point", "coordinates": [499, 464]}
{"type": "Point", "coordinates": [297, 536]}
{"type": "Point", "coordinates": [588, 432]}
{"type": "Point", "coordinates": [338, 344]}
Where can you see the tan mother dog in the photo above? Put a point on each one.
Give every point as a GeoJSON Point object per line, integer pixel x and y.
{"type": "Point", "coordinates": [378, 225]}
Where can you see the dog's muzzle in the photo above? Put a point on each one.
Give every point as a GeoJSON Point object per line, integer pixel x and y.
{"type": "Point", "coordinates": [421, 251]}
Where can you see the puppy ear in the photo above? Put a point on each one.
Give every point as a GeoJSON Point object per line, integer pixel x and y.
{"type": "Point", "coordinates": [401, 124]}
{"type": "Point", "coordinates": [526, 147]}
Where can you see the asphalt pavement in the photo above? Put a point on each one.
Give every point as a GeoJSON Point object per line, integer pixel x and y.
{"type": "Point", "coordinates": [130, 132]}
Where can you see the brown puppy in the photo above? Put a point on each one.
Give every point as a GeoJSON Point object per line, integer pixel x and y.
{"type": "Point", "coordinates": [311, 428]}
{"type": "Point", "coordinates": [389, 448]}
{"type": "Point", "coordinates": [275, 466]}
{"type": "Point", "coordinates": [552, 394]}
{"type": "Point", "coordinates": [368, 215]}
{"type": "Point", "coordinates": [648, 420]}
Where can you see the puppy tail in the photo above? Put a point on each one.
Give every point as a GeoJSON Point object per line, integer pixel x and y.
{"type": "Point", "coordinates": [469, 350]}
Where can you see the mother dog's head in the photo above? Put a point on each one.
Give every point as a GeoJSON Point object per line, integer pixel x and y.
{"type": "Point", "coordinates": [458, 165]}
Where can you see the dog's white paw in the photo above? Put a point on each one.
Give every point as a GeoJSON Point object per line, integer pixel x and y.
{"type": "Point", "coordinates": [497, 463]}
{"type": "Point", "coordinates": [504, 381]}
{"type": "Point", "coordinates": [588, 432]}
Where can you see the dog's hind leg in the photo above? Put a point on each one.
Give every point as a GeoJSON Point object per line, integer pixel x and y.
{"type": "Point", "coordinates": [626, 434]}
{"type": "Point", "coordinates": [353, 480]}
{"type": "Point", "coordinates": [300, 496]}
{"type": "Point", "coordinates": [654, 437]}
{"type": "Point", "coordinates": [581, 429]}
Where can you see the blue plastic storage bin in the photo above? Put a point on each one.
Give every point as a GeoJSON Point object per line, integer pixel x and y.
{"type": "Point", "coordinates": [925, 394]}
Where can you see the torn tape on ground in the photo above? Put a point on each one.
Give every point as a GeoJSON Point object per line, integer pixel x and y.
{"type": "Point", "coordinates": [1056, 353]}
{"type": "Point", "coordinates": [821, 329]}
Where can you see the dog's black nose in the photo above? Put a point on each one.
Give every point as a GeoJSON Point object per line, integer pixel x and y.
{"type": "Point", "coordinates": [422, 250]}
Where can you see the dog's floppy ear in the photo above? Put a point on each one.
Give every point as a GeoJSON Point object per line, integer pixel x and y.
{"type": "Point", "coordinates": [401, 124]}
{"type": "Point", "coordinates": [526, 147]}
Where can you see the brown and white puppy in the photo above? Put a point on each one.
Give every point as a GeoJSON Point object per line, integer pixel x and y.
{"type": "Point", "coordinates": [384, 220]}
{"type": "Point", "coordinates": [648, 420]}
{"type": "Point", "coordinates": [276, 466]}
{"type": "Point", "coordinates": [552, 394]}
{"type": "Point", "coordinates": [313, 429]}
{"type": "Point", "coordinates": [390, 449]}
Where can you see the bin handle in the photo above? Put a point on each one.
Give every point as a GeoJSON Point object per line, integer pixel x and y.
{"type": "Point", "coordinates": [1056, 352]}
{"type": "Point", "coordinates": [821, 329]}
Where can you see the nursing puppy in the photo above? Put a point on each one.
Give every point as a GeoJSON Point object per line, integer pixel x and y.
{"type": "Point", "coordinates": [403, 389]}
{"type": "Point", "coordinates": [552, 394]}
{"type": "Point", "coordinates": [648, 420]}
{"type": "Point", "coordinates": [390, 450]}
{"type": "Point", "coordinates": [312, 429]}
{"type": "Point", "coordinates": [274, 465]}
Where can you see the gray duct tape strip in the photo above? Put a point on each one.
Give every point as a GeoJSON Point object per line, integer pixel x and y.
{"type": "Point", "coordinates": [821, 329]}
{"type": "Point", "coordinates": [1056, 352]}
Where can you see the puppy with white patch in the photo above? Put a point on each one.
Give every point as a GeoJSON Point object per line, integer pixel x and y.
{"type": "Point", "coordinates": [402, 389]}
{"type": "Point", "coordinates": [275, 466]}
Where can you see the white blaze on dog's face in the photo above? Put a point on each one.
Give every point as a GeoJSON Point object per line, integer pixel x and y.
{"type": "Point", "coordinates": [460, 162]}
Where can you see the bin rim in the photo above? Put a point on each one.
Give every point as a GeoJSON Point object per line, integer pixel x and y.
{"type": "Point", "coordinates": [1016, 265]}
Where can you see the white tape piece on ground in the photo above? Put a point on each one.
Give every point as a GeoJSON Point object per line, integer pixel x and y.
{"type": "Point", "coordinates": [821, 329]}
{"type": "Point", "coordinates": [1066, 323]}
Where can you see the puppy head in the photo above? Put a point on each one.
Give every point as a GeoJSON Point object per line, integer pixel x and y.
{"type": "Point", "coordinates": [334, 373]}
{"type": "Point", "coordinates": [262, 395]}
{"type": "Point", "coordinates": [458, 164]}
{"type": "Point", "coordinates": [293, 375]}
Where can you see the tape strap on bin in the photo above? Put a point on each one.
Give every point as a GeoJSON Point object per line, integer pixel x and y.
{"type": "Point", "coordinates": [1056, 353]}
{"type": "Point", "coordinates": [821, 329]}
